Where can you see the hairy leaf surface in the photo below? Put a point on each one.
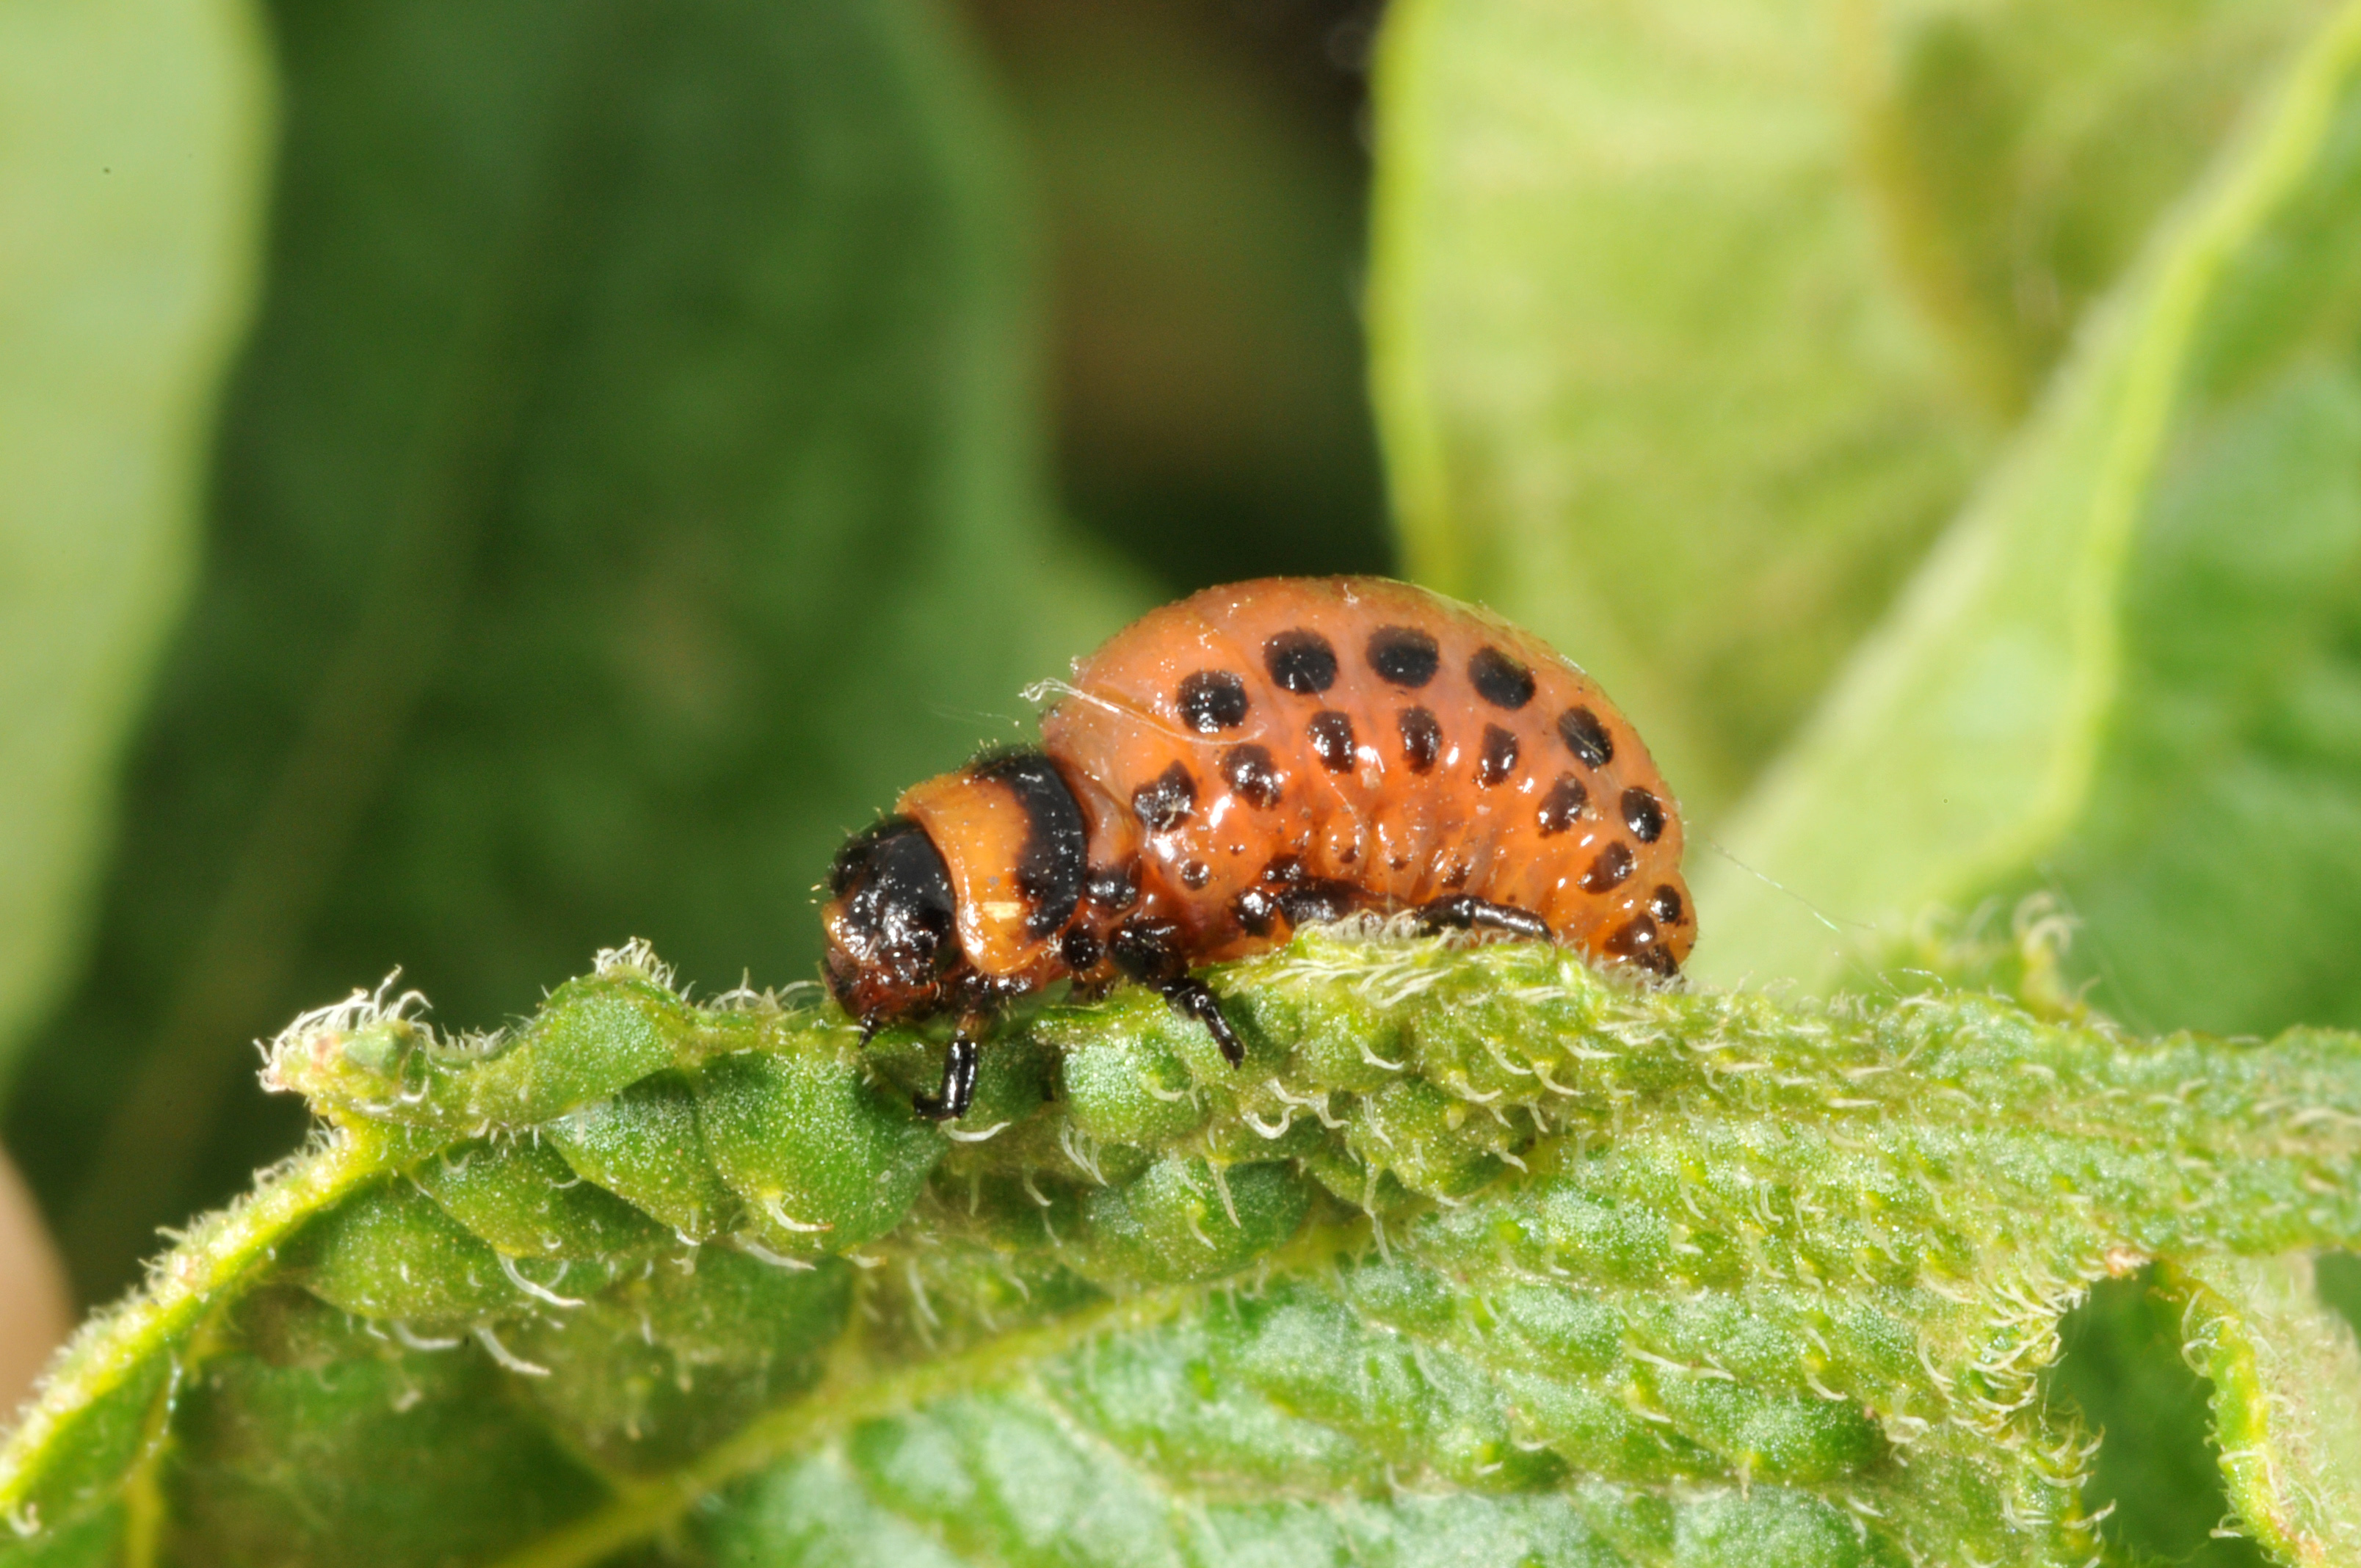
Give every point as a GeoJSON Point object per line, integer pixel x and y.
{"type": "Point", "coordinates": [1480, 1253]}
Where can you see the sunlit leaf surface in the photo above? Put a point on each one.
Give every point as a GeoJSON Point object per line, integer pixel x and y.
{"type": "Point", "coordinates": [1693, 323]}
{"type": "Point", "coordinates": [2128, 675]}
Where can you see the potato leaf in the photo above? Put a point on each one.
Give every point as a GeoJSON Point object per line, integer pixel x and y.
{"type": "Point", "coordinates": [1692, 323]}
{"type": "Point", "coordinates": [2128, 675]}
{"type": "Point", "coordinates": [1481, 1253]}
{"type": "Point", "coordinates": [132, 149]}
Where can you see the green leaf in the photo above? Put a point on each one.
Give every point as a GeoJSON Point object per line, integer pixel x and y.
{"type": "Point", "coordinates": [1692, 323]}
{"type": "Point", "coordinates": [2287, 1403]}
{"type": "Point", "coordinates": [633, 484]}
{"type": "Point", "coordinates": [1479, 1254]}
{"type": "Point", "coordinates": [2126, 676]}
{"type": "Point", "coordinates": [133, 142]}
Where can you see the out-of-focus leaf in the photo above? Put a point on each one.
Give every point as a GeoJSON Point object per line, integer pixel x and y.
{"type": "Point", "coordinates": [2132, 672]}
{"type": "Point", "coordinates": [633, 484]}
{"type": "Point", "coordinates": [1479, 1258]}
{"type": "Point", "coordinates": [1205, 205]}
{"type": "Point", "coordinates": [133, 143]}
{"type": "Point", "coordinates": [1693, 323]}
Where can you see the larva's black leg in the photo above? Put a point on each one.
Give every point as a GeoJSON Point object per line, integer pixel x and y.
{"type": "Point", "coordinates": [1464, 912]}
{"type": "Point", "coordinates": [1151, 953]}
{"type": "Point", "coordinates": [951, 1102]}
{"type": "Point", "coordinates": [1195, 999]}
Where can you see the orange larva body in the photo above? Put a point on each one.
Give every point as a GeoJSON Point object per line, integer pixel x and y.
{"type": "Point", "coordinates": [1475, 761]}
{"type": "Point", "coordinates": [1245, 761]}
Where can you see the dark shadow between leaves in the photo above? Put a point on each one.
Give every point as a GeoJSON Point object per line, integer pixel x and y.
{"type": "Point", "coordinates": [2157, 1464]}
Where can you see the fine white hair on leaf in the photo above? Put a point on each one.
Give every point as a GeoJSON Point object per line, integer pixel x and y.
{"type": "Point", "coordinates": [635, 957]}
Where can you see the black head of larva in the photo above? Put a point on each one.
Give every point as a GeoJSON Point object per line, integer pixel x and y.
{"type": "Point", "coordinates": [889, 922]}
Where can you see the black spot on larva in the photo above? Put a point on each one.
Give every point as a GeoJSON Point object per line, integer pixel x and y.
{"type": "Point", "coordinates": [1330, 734]}
{"type": "Point", "coordinates": [1252, 773]}
{"type": "Point", "coordinates": [1080, 951]}
{"type": "Point", "coordinates": [1635, 941]}
{"type": "Point", "coordinates": [1165, 801]}
{"type": "Point", "coordinates": [1499, 758]}
{"type": "Point", "coordinates": [1284, 871]}
{"type": "Point", "coordinates": [1195, 874]}
{"type": "Point", "coordinates": [1613, 864]}
{"type": "Point", "coordinates": [1212, 701]}
{"type": "Point", "coordinates": [1499, 679]}
{"type": "Point", "coordinates": [1666, 903]}
{"type": "Point", "coordinates": [1301, 661]}
{"type": "Point", "coordinates": [1563, 806]}
{"type": "Point", "coordinates": [1456, 872]}
{"type": "Point", "coordinates": [1422, 737]}
{"type": "Point", "coordinates": [1255, 911]}
{"type": "Point", "coordinates": [1644, 815]}
{"type": "Point", "coordinates": [1585, 737]}
{"type": "Point", "coordinates": [1113, 887]}
{"type": "Point", "coordinates": [1403, 657]}
{"type": "Point", "coordinates": [1050, 866]}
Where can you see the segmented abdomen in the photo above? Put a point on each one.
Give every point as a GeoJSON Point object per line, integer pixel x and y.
{"type": "Point", "coordinates": [1363, 733]}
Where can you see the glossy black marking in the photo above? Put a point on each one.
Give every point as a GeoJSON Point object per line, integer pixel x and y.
{"type": "Point", "coordinates": [1113, 887]}
{"type": "Point", "coordinates": [1250, 772]}
{"type": "Point", "coordinates": [957, 1092]}
{"type": "Point", "coordinates": [1254, 911]}
{"type": "Point", "coordinates": [1300, 661]}
{"type": "Point", "coordinates": [1466, 912]}
{"type": "Point", "coordinates": [1151, 952]}
{"type": "Point", "coordinates": [1422, 737]}
{"type": "Point", "coordinates": [1613, 865]}
{"type": "Point", "coordinates": [1456, 870]}
{"type": "Point", "coordinates": [1166, 800]}
{"type": "Point", "coordinates": [1050, 867]}
{"type": "Point", "coordinates": [897, 908]}
{"type": "Point", "coordinates": [1330, 734]}
{"type": "Point", "coordinates": [1498, 761]}
{"type": "Point", "coordinates": [1316, 901]}
{"type": "Point", "coordinates": [1403, 657]}
{"type": "Point", "coordinates": [1643, 814]}
{"type": "Point", "coordinates": [1587, 738]}
{"type": "Point", "coordinates": [1666, 903]}
{"type": "Point", "coordinates": [1499, 679]}
{"type": "Point", "coordinates": [1079, 951]}
{"type": "Point", "coordinates": [1194, 998]}
{"type": "Point", "coordinates": [1195, 874]}
{"type": "Point", "coordinates": [1563, 806]}
{"type": "Point", "coordinates": [1636, 941]}
{"type": "Point", "coordinates": [1212, 701]}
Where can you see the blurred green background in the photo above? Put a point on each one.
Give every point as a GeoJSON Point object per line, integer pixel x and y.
{"type": "Point", "coordinates": [657, 434]}
{"type": "Point", "coordinates": [485, 481]}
